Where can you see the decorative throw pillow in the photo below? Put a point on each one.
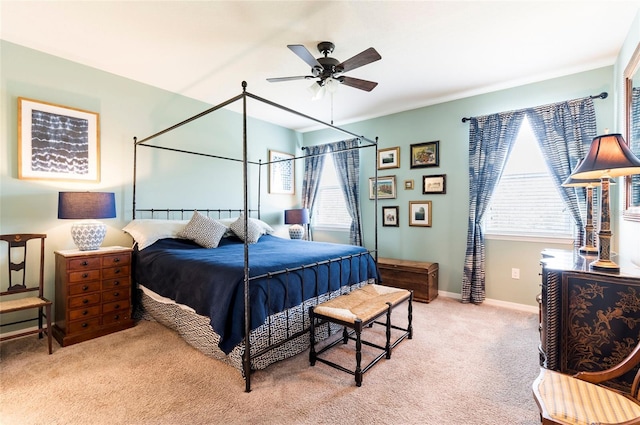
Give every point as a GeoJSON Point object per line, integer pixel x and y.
{"type": "Point", "coordinates": [145, 232]}
{"type": "Point", "coordinates": [254, 230]}
{"type": "Point", "coordinates": [203, 230]}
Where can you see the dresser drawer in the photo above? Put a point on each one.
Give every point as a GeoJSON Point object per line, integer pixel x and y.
{"type": "Point", "coordinates": [111, 272]}
{"type": "Point", "coordinates": [85, 287]}
{"type": "Point", "coordinates": [115, 295]}
{"type": "Point", "coordinates": [85, 263]}
{"type": "Point", "coordinates": [84, 276]}
{"type": "Point", "coordinates": [114, 306]}
{"type": "Point", "coordinates": [84, 300]}
{"type": "Point", "coordinates": [116, 260]}
{"type": "Point", "coordinates": [84, 325]}
{"type": "Point", "coordinates": [115, 283]}
{"type": "Point", "coordinates": [84, 313]}
{"type": "Point", "coordinates": [115, 317]}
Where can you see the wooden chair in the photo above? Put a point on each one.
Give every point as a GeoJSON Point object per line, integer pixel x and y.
{"type": "Point", "coordinates": [10, 302]}
{"type": "Point", "coordinates": [581, 399]}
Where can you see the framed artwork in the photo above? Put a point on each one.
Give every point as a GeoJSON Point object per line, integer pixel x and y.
{"type": "Point", "coordinates": [420, 213]}
{"type": "Point", "coordinates": [389, 158]}
{"type": "Point", "coordinates": [425, 155]}
{"type": "Point", "coordinates": [434, 184]}
{"type": "Point", "coordinates": [390, 216]}
{"type": "Point", "coordinates": [408, 185]}
{"type": "Point", "coordinates": [281, 172]}
{"type": "Point", "coordinates": [385, 187]}
{"type": "Point", "coordinates": [57, 142]}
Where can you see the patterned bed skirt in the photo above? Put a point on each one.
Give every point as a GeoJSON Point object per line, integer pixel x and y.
{"type": "Point", "coordinates": [196, 329]}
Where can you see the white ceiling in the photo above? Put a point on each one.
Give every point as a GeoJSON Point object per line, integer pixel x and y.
{"type": "Point", "coordinates": [432, 51]}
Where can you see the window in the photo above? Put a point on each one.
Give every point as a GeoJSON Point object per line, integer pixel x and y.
{"type": "Point", "coordinates": [526, 202]}
{"type": "Point", "coordinates": [330, 210]}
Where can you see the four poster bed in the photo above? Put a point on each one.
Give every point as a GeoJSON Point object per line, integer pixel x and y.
{"type": "Point", "coordinates": [225, 283]}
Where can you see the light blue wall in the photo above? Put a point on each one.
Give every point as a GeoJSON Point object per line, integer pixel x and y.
{"type": "Point", "coordinates": [126, 109]}
{"type": "Point", "coordinates": [445, 241]}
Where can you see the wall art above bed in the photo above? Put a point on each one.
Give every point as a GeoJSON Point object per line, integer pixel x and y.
{"type": "Point", "coordinates": [57, 142]}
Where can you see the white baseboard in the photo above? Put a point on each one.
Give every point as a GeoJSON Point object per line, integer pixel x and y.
{"type": "Point", "coordinates": [497, 303]}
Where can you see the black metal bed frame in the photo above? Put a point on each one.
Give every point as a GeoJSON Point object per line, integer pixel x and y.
{"type": "Point", "coordinates": [246, 357]}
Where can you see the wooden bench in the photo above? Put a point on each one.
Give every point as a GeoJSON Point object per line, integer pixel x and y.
{"type": "Point", "coordinates": [356, 310]}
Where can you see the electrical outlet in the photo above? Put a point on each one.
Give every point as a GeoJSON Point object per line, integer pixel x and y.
{"type": "Point", "coordinates": [515, 273]}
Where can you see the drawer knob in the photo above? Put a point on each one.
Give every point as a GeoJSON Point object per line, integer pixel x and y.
{"type": "Point", "coordinates": [85, 275]}
{"type": "Point", "coordinates": [85, 263]}
{"type": "Point", "coordinates": [117, 306]}
{"type": "Point", "coordinates": [117, 317]}
{"type": "Point", "coordinates": [116, 260]}
{"type": "Point", "coordinates": [117, 271]}
{"type": "Point", "coordinates": [85, 287]}
{"type": "Point", "coordinates": [116, 283]}
{"type": "Point", "coordinates": [85, 301]}
{"type": "Point", "coordinates": [115, 294]}
{"type": "Point", "coordinates": [85, 312]}
{"type": "Point", "coordinates": [84, 325]}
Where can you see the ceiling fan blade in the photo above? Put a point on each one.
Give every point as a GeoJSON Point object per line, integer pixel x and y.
{"type": "Point", "coordinates": [358, 83]}
{"type": "Point", "coordinates": [299, 77]}
{"type": "Point", "coordinates": [362, 58]}
{"type": "Point", "coordinates": [305, 55]}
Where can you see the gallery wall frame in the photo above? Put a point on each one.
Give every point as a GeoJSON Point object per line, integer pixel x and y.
{"type": "Point", "coordinates": [389, 158]}
{"type": "Point", "coordinates": [281, 172]}
{"type": "Point", "coordinates": [436, 183]}
{"type": "Point", "coordinates": [420, 213]}
{"type": "Point", "coordinates": [385, 187]}
{"type": "Point", "coordinates": [425, 154]}
{"type": "Point", "coordinates": [57, 142]}
{"type": "Point", "coordinates": [390, 216]}
{"type": "Point", "coordinates": [408, 185]}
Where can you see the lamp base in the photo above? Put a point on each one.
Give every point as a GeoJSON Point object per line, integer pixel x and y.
{"type": "Point", "coordinates": [605, 265]}
{"type": "Point", "coordinates": [296, 231]}
{"type": "Point", "coordinates": [88, 235]}
{"type": "Point", "coordinates": [588, 250]}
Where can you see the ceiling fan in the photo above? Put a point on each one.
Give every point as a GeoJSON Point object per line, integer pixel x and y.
{"type": "Point", "coordinates": [329, 71]}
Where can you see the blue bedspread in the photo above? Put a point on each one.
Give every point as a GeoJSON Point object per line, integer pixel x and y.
{"type": "Point", "coordinates": [211, 281]}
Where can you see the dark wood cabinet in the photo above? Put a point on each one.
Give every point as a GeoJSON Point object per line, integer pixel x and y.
{"type": "Point", "coordinates": [93, 293]}
{"type": "Point", "coordinates": [419, 276]}
{"type": "Point", "coordinates": [589, 320]}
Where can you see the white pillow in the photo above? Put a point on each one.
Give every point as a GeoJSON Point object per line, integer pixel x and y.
{"type": "Point", "coordinates": [203, 230]}
{"type": "Point", "coordinates": [266, 229]}
{"type": "Point", "coordinates": [145, 232]}
{"type": "Point", "coordinates": [254, 230]}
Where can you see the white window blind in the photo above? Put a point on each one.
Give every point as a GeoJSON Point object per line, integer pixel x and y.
{"type": "Point", "coordinates": [330, 210]}
{"type": "Point", "coordinates": [526, 202]}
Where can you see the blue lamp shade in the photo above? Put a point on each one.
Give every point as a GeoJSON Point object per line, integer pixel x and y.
{"type": "Point", "coordinates": [296, 218]}
{"type": "Point", "coordinates": [87, 235]}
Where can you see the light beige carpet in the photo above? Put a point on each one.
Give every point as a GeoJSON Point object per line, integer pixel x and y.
{"type": "Point", "coordinates": [466, 364]}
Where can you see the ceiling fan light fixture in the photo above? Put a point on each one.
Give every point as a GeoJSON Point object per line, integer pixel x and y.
{"type": "Point", "coordinates": [317, 90]}
{"type": "Point", "coordinates": [332, 85]}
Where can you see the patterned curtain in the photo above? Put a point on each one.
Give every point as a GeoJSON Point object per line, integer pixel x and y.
{"type": "Point", "coordinates": [490, 141]}
{"type": "Point", "coordinates": [312, 171]}
{"type": "Point", "coordinates": [346, 157]}
{"type": "Point", "coordinates": [564, 132]}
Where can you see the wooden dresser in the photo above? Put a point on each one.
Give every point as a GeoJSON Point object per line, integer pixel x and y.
{"type": "Point", "coordinates": [419, 276]}
{"type": "Point", "coordinates": [589, 320]}
{"type": "Point", "coordinates": [93, 293]}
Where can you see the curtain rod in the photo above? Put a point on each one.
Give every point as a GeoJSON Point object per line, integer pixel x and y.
{"type": "Point", "coordinates": [602, 95]}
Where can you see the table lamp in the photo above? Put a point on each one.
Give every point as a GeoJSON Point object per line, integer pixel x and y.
{"type": "Point", "coordinates": [296, 218]}
{"type": "Point", "coordinates": [588, 246]}
{"type": "Point", "coordinates": [608, 157]}
{"type": "Point", "coordinates": [87, 206]}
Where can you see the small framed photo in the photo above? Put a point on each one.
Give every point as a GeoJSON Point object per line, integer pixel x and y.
{"type": "Point", "coordinates": [434, 184]}
{"type": "Point", "coordinates": [281, 172]}
{"type": "Point", "coordinates": [57, 142]}
{"type": "Point", "coordinates": [420, 213]}
{"type": "Point", "coordinates": [425, 155]}
{"type": "Point", "coordinates": [389, 158]}
{"type": "Point", "coordinates": [390, 216]}
{"type": "Point", "coordinates": [408, 185]}
{"type": "Point", "coordinates": [385, 187]}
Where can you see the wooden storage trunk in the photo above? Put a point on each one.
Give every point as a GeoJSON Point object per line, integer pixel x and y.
{"type": "Point", "coordinates": [419, 276]}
